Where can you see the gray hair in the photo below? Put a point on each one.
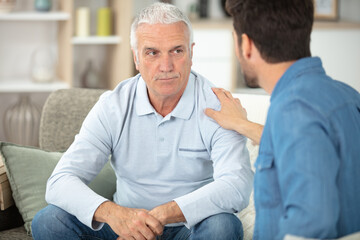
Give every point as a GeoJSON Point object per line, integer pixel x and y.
{"type": "Point", "coordinates": [163, 13]}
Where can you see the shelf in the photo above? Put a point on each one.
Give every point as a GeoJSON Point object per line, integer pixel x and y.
{"type": "Point", "coordinates": [22, 85]}
{"type": "Point", "coordinates": [92, 40]}
{"type": "Point", "coordinates": [35, 16]}
{"type": "Point", "coordinates": [336, 25]}
{"type": "Point", "coordinates": [223, 23]}
{"type": "Point", "coordinates": [259, 91]}
{"type": "Point", "coordinates": [227, 23]}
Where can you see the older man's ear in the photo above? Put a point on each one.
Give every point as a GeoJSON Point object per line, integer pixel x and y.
{"type": "Point", "coordinates": [136, 60]}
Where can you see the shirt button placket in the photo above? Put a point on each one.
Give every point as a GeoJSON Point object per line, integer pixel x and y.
{"type": "Point", "coordinates": [162, 144]}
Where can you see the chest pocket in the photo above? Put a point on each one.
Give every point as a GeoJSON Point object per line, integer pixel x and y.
{"type": "Point", "coordinates": [267, 192]}
{"type": "Point", "coordinates": [194, 153]}
{"type": "Point", "coordinates": [197, 162]}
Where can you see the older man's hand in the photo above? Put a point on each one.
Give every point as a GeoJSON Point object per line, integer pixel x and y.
{"type": "Point", "coordinates": [129, 223]}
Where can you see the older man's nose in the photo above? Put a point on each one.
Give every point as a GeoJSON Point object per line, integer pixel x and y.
{"type": "Point", "coordinates": [166, 64]}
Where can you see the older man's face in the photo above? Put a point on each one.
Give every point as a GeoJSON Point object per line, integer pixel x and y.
{"type": "Point", "coordinates": [164, 58]}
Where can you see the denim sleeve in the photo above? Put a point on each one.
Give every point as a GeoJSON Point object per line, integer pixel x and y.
{"type": "Point", "coordinates": [67, 186]}
{"type": "Point", "coordinates": [307, 163]}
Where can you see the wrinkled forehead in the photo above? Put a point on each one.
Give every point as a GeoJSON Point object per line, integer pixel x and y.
{"type": "Point", "coordinates": [180, 26]}
{"type": "Point", "coordinates": [162, 33]}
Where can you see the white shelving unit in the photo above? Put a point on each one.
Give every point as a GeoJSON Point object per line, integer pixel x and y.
{"type": "Point", "coordinates": [117, 50]}
{"type": "Point", "coordinates": [26, 85]}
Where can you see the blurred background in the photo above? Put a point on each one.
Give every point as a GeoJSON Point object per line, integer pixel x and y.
{"type": "Point", "coordinates": [47, 45]}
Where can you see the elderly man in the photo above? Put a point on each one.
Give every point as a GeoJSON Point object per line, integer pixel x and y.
{"type": "Point", "coordinates": [307, 180]}
{"type": "Point", "coordinates": [179, 174]}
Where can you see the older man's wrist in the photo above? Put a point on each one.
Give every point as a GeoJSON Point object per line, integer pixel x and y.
{"type": "Point", "coordinates": [168, 213]}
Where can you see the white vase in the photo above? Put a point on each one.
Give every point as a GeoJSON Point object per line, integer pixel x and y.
{"type": "Point", "coordinates": [43, 65]}
{"type": "Point", "coordinates": [21, 122]}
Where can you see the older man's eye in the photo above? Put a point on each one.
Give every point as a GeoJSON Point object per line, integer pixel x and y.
{"type": "Point", "coordinates": [150, 52]}
{"type": "Point", "coordinates": [178, 51]}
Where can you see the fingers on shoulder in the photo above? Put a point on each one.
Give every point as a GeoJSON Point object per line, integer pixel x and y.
{"type": "Point", "coordinates": [220, 93]}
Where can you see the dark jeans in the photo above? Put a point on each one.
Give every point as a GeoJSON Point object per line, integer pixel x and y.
{"type": "Point", "coordinates": [54, 223]}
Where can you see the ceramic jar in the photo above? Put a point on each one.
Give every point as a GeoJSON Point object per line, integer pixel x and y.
{"type": "Point", "coordinates": [21, 122]}
{"type": "Point", "coordinates": [43, 5]}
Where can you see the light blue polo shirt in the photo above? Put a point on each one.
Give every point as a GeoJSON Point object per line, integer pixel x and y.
{"type": "Point", "coordinates": [184, 156]}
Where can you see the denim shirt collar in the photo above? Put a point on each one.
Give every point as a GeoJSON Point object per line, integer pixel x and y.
{"type": "Point", "coordinates": [295, 70]}
{"type": "Point", "coordinates": [183, 109]}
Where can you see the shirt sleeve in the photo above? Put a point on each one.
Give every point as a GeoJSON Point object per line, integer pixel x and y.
{"type": "Point", "coordinates": [67, 186]}
{"type": "Point", "coordinates": [232, 185]}
{"type": "Point", "coordinates": [307, 164]}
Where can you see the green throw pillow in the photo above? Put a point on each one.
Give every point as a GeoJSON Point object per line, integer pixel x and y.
{"type": "Point", "coordinates": [28, 170]}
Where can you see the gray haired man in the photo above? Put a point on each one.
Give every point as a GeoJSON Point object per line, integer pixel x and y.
{"type": "Point", "coordinates": [179, 174]}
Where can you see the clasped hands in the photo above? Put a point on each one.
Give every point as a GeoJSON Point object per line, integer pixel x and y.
{"type": "Point", "coordinates": [139, 224]}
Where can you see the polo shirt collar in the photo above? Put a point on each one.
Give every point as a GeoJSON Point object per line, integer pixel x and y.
{"type": "Point", "coordinates": [143, 106]}
{"type": "Point", "coordinates": [183, 109]}
{"type": "Point", "coordinates": [186, 104]}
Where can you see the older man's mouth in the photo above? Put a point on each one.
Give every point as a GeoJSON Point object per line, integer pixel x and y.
{"type": "Point", "coordinates": [166, 78]}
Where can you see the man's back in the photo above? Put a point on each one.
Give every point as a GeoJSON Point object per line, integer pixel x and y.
{"type": "Point", "coordinates": [311, 138]}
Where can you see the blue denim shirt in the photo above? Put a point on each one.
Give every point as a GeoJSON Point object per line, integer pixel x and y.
{"type": "Point", "coordinates": [307, 180]}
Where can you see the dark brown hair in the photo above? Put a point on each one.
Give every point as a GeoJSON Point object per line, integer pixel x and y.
{"type": "Point", "coordinates": [280, 29]}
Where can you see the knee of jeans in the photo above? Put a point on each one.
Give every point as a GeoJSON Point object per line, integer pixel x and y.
{"type": "Point", "coordinates": [224, 226]}
{"type": "Point", "coordinates": [48, 218]}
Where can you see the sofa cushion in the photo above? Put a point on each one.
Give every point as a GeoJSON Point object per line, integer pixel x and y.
{"type": "Point", "coordinates": [28, 169]}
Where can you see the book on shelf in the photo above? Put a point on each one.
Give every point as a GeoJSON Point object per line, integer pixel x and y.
{"type": "Point", "coordinates": [6, 199]}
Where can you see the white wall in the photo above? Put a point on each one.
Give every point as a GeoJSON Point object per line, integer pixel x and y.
{"type": "Point", "coordinates": [349, 10]}
{"type": "Point", "coordinates": [213, 55]}
{"type": "Point", "coordinates": [339, 50]}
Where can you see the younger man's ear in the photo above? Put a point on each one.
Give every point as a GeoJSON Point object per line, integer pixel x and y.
{"type": "Point", "coordinates": [246, 46]}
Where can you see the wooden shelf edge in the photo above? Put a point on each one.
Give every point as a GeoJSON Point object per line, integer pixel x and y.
{"type": "Point", "coordinates": [335, 25]}
{"type": "Point", "coordinates": [228, 24]}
